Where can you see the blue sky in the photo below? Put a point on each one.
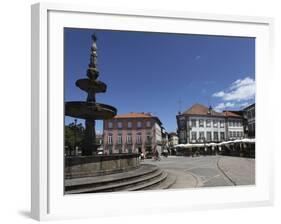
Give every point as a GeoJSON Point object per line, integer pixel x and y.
{"type": "Point", "coordinates": [162, 73]}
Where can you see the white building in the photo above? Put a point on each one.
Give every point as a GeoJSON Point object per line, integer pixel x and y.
{"type": "Point", "coordinates": [158, 138]}
{"type": "Point", "coordinates": [173, 139]}
{"type": "Point", "coordinates": [201, 124]}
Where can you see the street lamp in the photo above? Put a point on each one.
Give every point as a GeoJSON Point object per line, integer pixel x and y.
{"type": "Point", "coordinates": [75, 129]}
{"type": "Point", "coordinates": [205, 149]}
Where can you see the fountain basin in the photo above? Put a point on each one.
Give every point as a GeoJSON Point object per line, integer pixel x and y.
{"type": "Point", "coordinates": [96, 165]}
{"type": "Point", "coordinates": [89, 84]}
{"type": "Point", "coordinates": [89, 110]}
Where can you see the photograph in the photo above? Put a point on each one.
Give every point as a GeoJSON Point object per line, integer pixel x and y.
{"type": "Point", "coordinates": [157, 111]}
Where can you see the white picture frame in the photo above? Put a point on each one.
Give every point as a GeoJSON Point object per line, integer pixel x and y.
{"type": "Point", "coordinates": [48, 201]}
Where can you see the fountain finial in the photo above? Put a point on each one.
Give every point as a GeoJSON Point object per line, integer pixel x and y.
{"type": "Point", "coordinates": [93, 70]}
{"type": "Point", "coordinates": [94, 37]}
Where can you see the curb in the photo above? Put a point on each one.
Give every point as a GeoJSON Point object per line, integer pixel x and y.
{"type": "Point", "coordinates": [221, 169]}
{"type": "Point", "coordinates": [197, 179]}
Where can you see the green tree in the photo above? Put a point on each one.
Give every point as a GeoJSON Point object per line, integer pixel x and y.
{"type": "Point", "coordinates": [73, 135]}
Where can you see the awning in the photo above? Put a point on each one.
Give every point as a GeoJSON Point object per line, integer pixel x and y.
{"type": "Point", "coordinates": [194, 145]}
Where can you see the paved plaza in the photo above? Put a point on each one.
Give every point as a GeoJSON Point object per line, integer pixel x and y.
{"type": "Point", "coordinates": [207, 171]}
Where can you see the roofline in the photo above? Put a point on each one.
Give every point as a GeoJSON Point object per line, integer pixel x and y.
{"type": "Point", "coordinates": [251, 105]}
{"type": "Point", "coordinates": [148, 117]}
{"type": "Point", "coordinates": [219, 116]}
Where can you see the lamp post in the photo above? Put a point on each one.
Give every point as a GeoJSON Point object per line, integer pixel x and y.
{"type": "Point", "coordinates": [205, 149]}
{"type": "Point", "coordinates": [75, 130]}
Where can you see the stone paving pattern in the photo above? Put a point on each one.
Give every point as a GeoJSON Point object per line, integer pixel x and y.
{"type": "Point", "coordinates": [240, 170]}
{"type": "Point", "coordinates": [208, 171]}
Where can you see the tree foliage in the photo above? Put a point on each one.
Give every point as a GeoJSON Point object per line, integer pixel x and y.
{"type": "Point", "coordinates": [73, 135]}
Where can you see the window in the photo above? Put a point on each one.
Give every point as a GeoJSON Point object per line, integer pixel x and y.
{"type": "Point", "coordinates": [253, 113]}
{"type": "Point", "coordinates": [251, 127]}
{"type": "Point", "coordinates": [119, 139]}
{"type": "Point", "coordinates": [230, 134]}
{"type": "Point", "coordinates": [193, 123]}
{"type": "Point", "coordinates": [148, 138]}
{"type": "Point", "coordinates": [234, 134]}
{"type": "Point", "coordinates": [129, 124]}
{"type": "Point", "coordinates": [209, 136]}
{"type": "Point", "coordinates": [119, 124]}
{"type": "Point", "coordinates": [222, 136]}
{"type": "Point", "coordinates": [139, 124]}
{"type": "Point", "coordinates": [238, 134]}
{"type": "Point", "coordinates": [230, 123]}
{"type": "Point", "coordinates": [129, 139]}
{"type": "Point", "coordinates": [216, 136]}
{"type": "Point", "coordinates": [109, 139]}
{"type": "Point", "coordinates": [182, 135]}
{"type": "Point", "coordinates": [139, 138]}
{"type": "Point", "coordinates": [148, 124]}
{"type": "Point", "coordinates": [215, 123]}
{"type": "Point", "coordinates": [201, 135]}
{"type": "Point", "coordinates": [249, 114]}
{"type": "Point", "coordinates": [110, 125]}
{"type": "Point", "coordinates": [201, 123]}
{"type": "Point", "coordinates": [182, 122]}
{"type": "Point", "coordinates": [193, 135]}
{"type": "Point", "coordinates": [222, 124]}
{"type": "Point", "coordinates": [208, 123]}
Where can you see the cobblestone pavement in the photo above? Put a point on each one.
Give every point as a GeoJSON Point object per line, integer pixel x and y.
{"type": "Point", "coordinates": [208, 171]}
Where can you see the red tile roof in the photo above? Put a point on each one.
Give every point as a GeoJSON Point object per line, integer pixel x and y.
{"type": "Point", "coordinates": [134, 115]}
{"type": "Point", "coordinates": [199, 109]}
{"type": "Point", "coordinates": [231, 114]}
{"type": "Point", "coordinates": [138, 115]}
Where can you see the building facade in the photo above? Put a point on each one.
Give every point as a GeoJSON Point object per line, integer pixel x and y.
{"type": "Point", "coordinates": [132, 133]}
{"type": "Point", "coordinates": [173, 141]}
{"type": "Point", "coordinates": [200, 124]}
{"type": "Point", "coordinates": [165, 142]}
{"type": "Point", "coordinates": [250, 117]}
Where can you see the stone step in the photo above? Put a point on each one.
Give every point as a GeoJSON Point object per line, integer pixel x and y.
{"type": "Point", "coordinates": [144, 169]}
{"type": "Point", "coordinates": [146, 179]}
{"type": "Point", "coordinates": [147, 184]}
{"type": "Point", "coordinates": [167, 183]}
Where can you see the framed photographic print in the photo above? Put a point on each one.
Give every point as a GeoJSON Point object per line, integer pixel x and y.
{"type": "Point", "coordinates": [148, 111]}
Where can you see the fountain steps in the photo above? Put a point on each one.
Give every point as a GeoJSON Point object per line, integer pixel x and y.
{"type": "Point", "coordinates": [146, 177]}
{"type": "Point", "coordinates": [169, 181]}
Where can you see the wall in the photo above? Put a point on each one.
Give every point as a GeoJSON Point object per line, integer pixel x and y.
{"type": "Point", "coordinates": [15, 111]}
{"type": "Point", "coordinates": [88, 166]}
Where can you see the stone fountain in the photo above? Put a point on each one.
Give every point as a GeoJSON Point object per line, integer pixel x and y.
{"type": "Point", "coordinates": [90, 110]}
{"type": "Point", "coordinates": [90, 164]}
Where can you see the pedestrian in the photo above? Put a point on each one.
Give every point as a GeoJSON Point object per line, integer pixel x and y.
{"type": "Point", "coordinates": [157, 157]}
{"type": "Point", "coordinates": [142, 156]}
